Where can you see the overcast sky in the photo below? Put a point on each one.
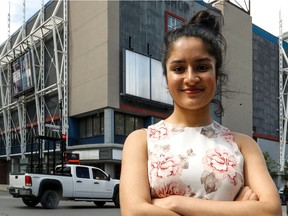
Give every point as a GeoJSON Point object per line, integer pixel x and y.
{"type": "Point", "coordinates": [265, 14]}
{"type": "Point", "coordinates": [16, 14]}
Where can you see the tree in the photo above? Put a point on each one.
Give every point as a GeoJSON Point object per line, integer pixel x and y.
{"type": "Point", "coordinates": [284, 177]}
{"type": "Point", "coordinates": [272, 165]}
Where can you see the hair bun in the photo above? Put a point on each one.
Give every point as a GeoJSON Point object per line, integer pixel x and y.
{"type": "Point", "coordinates": [207, 20]}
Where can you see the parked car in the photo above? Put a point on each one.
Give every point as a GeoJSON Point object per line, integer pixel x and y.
{"type": "Point", "coordinates": [281, 194]}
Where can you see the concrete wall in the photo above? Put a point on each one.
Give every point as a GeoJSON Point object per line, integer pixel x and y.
{"type": "Point", "coordinates": [93, 55]}
{"type": "Point", "coordinates": [238, 107]}
{"type": "Point", "coordinates": [113, 54]}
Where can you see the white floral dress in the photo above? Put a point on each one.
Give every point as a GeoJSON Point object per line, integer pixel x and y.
{"type": "Point", "coordinates": [203, 162]}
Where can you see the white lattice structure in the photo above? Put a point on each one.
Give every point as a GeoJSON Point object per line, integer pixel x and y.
{"type": "Point", "coordinates": [47, 62]}
{"type": "Point", "coordinates": [283, 95]}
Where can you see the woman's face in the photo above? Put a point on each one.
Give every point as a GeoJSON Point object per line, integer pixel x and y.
{"type": "Point", "coordinates": [191, 76]}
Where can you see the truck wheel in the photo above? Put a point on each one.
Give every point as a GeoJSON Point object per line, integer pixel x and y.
{"type": "Point", "coordinates": [116, 200]}
{"type": "Point", "coordinates": [30, 201]}
{"type": "Point", "coordinates": [50, 199]}
{"type": "Point", "coordinates": [99, 203]}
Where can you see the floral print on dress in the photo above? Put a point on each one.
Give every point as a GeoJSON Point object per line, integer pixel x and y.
{"type": "Point", "coordinates": [165, 171]}
{"type": "Point", "coordinates": [228, 136]}
{"type": "Point", "coordinates": [171, 186]}
{"type": "Point", "coordinates": [210, 182]}
{"type": "Point", "coordinates": [223, 165]}
{"type": "Point", "coordinates": [163, 166]}
{"type": "Point", "coordinates": [163, 131]}
{"type": "Point", "coordinates": [209, 132]}
{"type": "Point", "coordinates": [202, 162]}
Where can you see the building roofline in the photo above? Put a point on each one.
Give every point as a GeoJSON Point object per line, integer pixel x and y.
{"type": "Point", "coordinates": [257, 30]}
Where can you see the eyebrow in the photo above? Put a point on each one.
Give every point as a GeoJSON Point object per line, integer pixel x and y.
{"type": "Point", "coordinates": [197, 60]}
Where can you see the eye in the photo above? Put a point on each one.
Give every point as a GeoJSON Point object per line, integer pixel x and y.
{"type": "Point", "coordinates": [203, 68]}
{"type": "Point", "coordinates": [179, 69]}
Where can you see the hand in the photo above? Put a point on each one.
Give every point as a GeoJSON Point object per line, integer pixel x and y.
{"type": "Point", "coordinates": [246, 193]}
{"type": "Point", "coordinates": [166, 202]}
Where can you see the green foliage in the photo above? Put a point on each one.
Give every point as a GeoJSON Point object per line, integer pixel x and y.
{"type": "Point", "coordinates": [284, 177]}
{"type": "Point", "coordinates": [272, 165]}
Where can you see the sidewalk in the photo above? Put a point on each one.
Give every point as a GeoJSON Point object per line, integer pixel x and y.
{"type": "Point", "coordinates": [3, 187]}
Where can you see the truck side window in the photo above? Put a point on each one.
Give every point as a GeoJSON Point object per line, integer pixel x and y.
{"type": "Point", "coordinates": [98, 175]}
{"type": "Point", "coordinates": [65, 171]}
{"type": "Point", "coordinates": [82, 172]}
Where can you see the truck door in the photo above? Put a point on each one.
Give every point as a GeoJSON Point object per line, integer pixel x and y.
{"type": "Point", "coordinates": [102, 186]}
{"type": "Point", "coordinates": [83, 182]}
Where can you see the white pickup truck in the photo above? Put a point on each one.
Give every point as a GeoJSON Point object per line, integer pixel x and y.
{"type": "Point", "coordinates": [73, 182]}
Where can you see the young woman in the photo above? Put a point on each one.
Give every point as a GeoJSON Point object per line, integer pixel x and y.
{"type": "Point", "coordinates": [189, 164]}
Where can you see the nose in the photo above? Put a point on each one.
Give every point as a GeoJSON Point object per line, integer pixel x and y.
{"type": "Point", "coordinates": [191, 76]}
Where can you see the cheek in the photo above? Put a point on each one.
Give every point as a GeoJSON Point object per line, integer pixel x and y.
{"type": "Point", "coordinates": [211, 80]}
{"type": "Point", "coordinates": [172, 82]}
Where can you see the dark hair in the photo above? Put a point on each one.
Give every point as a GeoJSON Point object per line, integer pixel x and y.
{"type": "Point", "coordinates": [206, 26]}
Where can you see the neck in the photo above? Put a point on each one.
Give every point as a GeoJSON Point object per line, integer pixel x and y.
{"type": "Point", "coordinates": [190, 118]}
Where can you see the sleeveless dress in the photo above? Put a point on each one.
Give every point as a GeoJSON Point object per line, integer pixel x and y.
{"type": "Point", "coordinates": [201, 162]}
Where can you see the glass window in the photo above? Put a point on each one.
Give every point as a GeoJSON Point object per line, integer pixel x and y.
{"type": "Point", "coordinates": [119, 123]}
{"type": "Point", "coordinates": [89, 127]}
{"type": "Point", "coordinates": [137, 74]}
{"type": "Point", "coordinates": [102, 123]}
{"type": "Point", "coordinates": [82, 128]}
{"type": "Point", "coordinates": [140, 83]}
{"type": "Point", "coordinates": [129, 124]}
{"type": "Point", "coordinates": [139, 123]}
{"type": "Point", "coordinates": [82, 172]}
{"type": "Point", "coordinates": [92, 126]}
{"type": "Point", "coordinates": [96, 125]}
{"type": "Point", "coordinates": [173, 21]}
{"type": "Point", "coordinates": [66, 170]}
{"type": "Point", "coordinates": [158, 84]}
{"type": "Point", "coordinates": [98, 174]}
{"type": "Point", "coordinates": [125, 123]}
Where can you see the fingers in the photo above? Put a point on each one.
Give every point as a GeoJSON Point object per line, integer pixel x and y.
{"type": "Point", "coordinates": [246, 193]}
{"type": "Point", "coordinates": [241, 193]}
{"type": "Point", "coordinates": [254, 197]}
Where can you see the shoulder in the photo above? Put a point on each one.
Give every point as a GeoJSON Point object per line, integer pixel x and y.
{"type": "Point", "coordinates": [140, 133]}
{"type": "Point", "coordinates": [242, 138]}
{"type": "Point", "coordinates": [136, 139]}
{"type": "Point", "coordinates": [246, 144]}
{"type": "Point", "coordinates": [135, 147]}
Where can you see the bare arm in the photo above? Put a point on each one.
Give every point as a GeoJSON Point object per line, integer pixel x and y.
{"type": "Point", "coordinates": [135, 198]}
{"type": "Point", "coordinates": [256, 177]}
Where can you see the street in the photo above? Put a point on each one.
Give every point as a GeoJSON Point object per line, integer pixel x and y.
{"type": "Point", "coordinates": [10, 206]}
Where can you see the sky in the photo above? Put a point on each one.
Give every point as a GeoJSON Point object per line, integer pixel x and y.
{"type": "Point", "coordinates": [265, 14]}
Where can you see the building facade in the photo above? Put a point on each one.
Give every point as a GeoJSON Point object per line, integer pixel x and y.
{"type": "Point", "coordinates": [101, 79]}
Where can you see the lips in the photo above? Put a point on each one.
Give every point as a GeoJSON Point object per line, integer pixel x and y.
{"type": "Point", "coordinates": [193, 90]}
